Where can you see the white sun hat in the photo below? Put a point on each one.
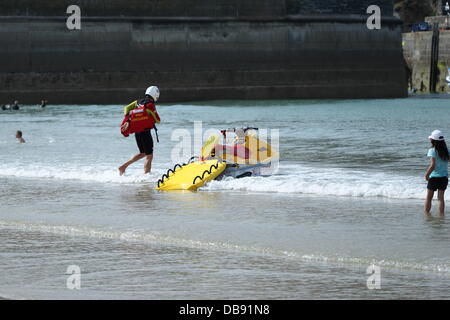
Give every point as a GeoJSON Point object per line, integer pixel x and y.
{"type": "Point", "coordinates": [437, 135]}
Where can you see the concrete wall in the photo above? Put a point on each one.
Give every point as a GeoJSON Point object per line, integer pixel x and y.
{"type": "Point", "coordinates": [176, 8]}
{"type": "Point", "coordinates": [417, 51]}
{"type": "Point", "coordinates": [337, 6]}
{"type": "Point", "coordinates": [442, 21]}
{"type": "Point", "coordinates": [112, 61]}
{"type": "Point", "coordinates": [153, 8]}
{"type": "Point", "coordinates": [225, 49]}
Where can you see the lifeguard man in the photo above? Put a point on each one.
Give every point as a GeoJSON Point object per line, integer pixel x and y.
{"type": "Point", "coordinates": [140, 118]}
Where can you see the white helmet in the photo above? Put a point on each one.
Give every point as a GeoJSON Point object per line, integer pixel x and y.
{"type": "Point", "coordinates": [153, 92]}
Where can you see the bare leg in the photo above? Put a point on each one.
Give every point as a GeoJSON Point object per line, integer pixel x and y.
{"type": "Point", "coordinates": [148, 163]}
{"type": "Point", "coordinates": [441, 202]}
{"type": "Point", "coordinates": [430, 194]}
{"type": "Point", "coordinates": [124, 167]}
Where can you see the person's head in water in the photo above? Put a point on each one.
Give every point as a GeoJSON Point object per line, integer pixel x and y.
{"type": "Point", "coordinates": [152, 93]}
{"type": "Point", "coordinates": [438, 142]}
{"type": "Point", "coordinates": [19, 136]}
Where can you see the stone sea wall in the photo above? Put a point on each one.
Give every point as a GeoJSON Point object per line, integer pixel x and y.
{"type": "Point", "coordinates": [192, 8]}
{"type": "Point", "coordinates": [198, 50]}
{"type": "Point", "coordinates": [417, 51]}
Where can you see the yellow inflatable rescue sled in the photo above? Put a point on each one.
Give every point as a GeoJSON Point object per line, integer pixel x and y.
{"type": "Point", "coordinates": [191, 176]}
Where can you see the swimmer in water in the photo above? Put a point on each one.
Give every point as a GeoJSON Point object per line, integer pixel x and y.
{"type": "Point", "coordinates": [19, 137]}
{"type": "Point", "coordinates": [15, 105]}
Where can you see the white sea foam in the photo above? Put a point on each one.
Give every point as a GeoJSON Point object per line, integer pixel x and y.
{"type": "Point", "coordinates": [292, 179]}
{"type": "Point", "coordinates": [328, 182]}
{"type": "Point", "coordinates": [98, 174]}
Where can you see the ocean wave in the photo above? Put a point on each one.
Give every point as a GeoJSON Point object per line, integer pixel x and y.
{"type": "Point", "coordinates": [291, 179]}
{"type": "Point", "coordinates": [159, 238]}
{"type": "Point", "coordinates": [329, 182]}
{"type": "Point", "coordinates": [88, 174]}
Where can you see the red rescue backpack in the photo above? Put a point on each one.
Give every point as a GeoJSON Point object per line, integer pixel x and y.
{"type": "Point", "coordinates": [139, 119]}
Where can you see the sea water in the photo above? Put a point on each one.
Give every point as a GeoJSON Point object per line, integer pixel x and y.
{"type": "Point", "coordinates": [348, 195]}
